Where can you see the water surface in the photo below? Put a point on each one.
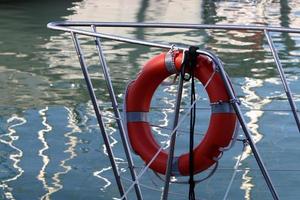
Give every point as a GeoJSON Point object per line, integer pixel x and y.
{"type": "Point", "coordinates": [50, 144]}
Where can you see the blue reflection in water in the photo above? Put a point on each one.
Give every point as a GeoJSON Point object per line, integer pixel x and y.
{"type": "Point", "coordinates": [50, 145]}
{"type": "Point", "coordinates": [15, 154]}
{"type": "Point", "coordinates": [45, 158]}
{"type": "Point", "coordinates": [255, 102]}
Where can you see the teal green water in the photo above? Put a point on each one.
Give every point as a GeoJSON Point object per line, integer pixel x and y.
{"type": "Point", "coordinates": [50, 144]}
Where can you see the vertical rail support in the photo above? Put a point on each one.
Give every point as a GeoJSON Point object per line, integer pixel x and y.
{"type": "Point", "coordinates": [173, 140]}
{"type": "Point", "coordinates": [97, 112]}
{"type": "Point", "coordinates": [283, 78]}
{"type": "Point", "coordinates": [235, 104]}
{"type": "Point", "coordinates": [117, 114]}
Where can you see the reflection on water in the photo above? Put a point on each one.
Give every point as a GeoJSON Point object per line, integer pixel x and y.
{"type": "Point", "coordinates": [45, 158]}
{"type": "Point", "coordinates": [247, 184]}
{"type": "Point", "coordinates": [50, 144]}
{"type": "Point", "coordinates": [252, 101]}
{"type": "Point", "coordinates": [106, 180]}
{"type": "Point", "coordinates": [15, 156]}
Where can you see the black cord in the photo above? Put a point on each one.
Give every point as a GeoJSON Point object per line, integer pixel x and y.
{"type": "Point", "coordinates": [192, 128]}
{"type": "Point", "coordinates": [190, 60]}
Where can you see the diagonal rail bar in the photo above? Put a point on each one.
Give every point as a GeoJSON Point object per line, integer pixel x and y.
{"type": "Point", "coordinates": [236, 107]}
{"type": "Point", "coordinates": [173, 140]}
{"type": "Point", "coordinates": [98, 113]}
{"type": "Point", "coordinates": [283, 78]}
{"type": "Point", "coordinates": [117, 114]}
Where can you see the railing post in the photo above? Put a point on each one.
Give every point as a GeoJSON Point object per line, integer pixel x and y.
{"type": "Point", "coordinates": [117, 115]}
{"type": "Point", "coordinates": [283, 78]}
{"type": "Point", "coordinates": [98, 113]}
{"type": "Point", "coordinates": [235, 104]}
{"type": "Point", "coordinates": [173, 140]}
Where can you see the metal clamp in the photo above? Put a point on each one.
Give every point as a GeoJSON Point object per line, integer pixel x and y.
{"type": "Point", "coordinates": [170, 61]}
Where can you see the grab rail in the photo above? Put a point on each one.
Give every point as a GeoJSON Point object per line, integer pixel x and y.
{"type": "Point", "coordinates": [69, 26]}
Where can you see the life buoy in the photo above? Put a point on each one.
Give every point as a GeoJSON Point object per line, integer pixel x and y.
{"type": "Point", "coordinates": [137, 104]}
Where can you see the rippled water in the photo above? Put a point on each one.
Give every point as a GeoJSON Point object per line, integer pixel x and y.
{"type": "Point", "coordinates": [50, 145]}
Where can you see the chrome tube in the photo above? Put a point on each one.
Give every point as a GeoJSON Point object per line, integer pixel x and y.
{"type": "Point", "coordinates": [117, 114]}
{"type": "Point", "coordinates": [283, 78]}
{"type": "Point", "coordinates": [173, 140]}
{"type": "Point", "coordinates": [112, 37]}
{"type": "Point", "coordinates": [98, 113]}
{"type": "Point", "coordinates": [242, 121]}
{"type": "Point", "coordinates": [59, 25]}
{"type": "Point", "coordinates": [69, 27]}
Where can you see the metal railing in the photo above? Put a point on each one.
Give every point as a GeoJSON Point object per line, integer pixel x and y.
{"type": "Point", "coordinates": [74, 29]}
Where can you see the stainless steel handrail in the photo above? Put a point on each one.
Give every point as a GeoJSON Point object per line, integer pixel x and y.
{"type": "Point", "coordinates": [69, 26]}
{"type": "Point", "coordinates": [60, 24]}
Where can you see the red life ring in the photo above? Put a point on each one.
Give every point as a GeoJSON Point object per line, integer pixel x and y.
{"type": "Point", "coordinates": [138, 98]}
